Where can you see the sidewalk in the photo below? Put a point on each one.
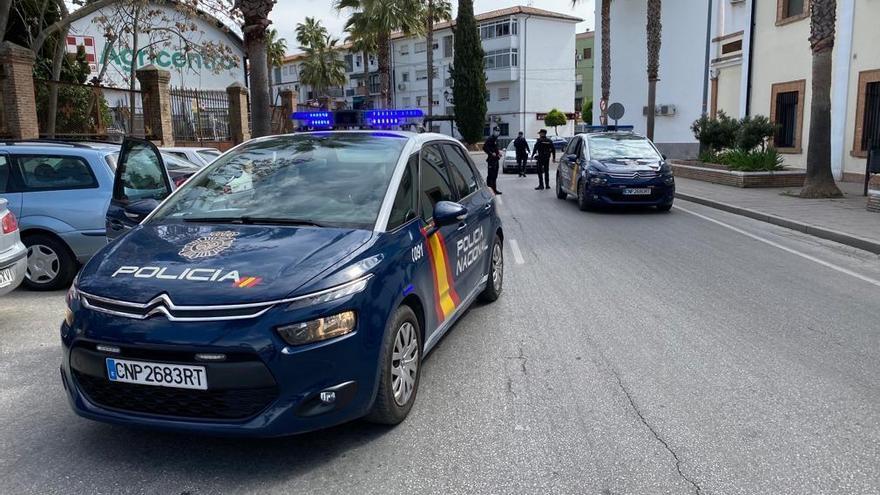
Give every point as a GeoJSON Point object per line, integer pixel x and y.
{"type": "Point", "coordinates": [842, 220]}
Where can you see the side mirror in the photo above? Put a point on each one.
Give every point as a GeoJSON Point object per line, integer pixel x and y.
{"type": "Point", "coordinates": [448, 213]}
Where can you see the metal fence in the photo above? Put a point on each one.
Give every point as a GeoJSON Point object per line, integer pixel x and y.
{"type": "Point", "coordinates": [200, 115]}
{"type": "Point", "coordinates": [86, 111]}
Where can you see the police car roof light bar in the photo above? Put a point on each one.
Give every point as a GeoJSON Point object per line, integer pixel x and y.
{"type": "Point", "coordinates": [610, 128]}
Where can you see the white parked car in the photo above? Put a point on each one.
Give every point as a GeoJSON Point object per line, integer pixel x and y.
{"type": "Point", "coordinates": [199, 156]}
{"type": "Point", "coordinates": [13, 254]}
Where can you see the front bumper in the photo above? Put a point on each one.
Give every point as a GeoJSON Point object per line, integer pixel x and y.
{"type": "Point", "coordinates": [264, 388]}
{"type": "Point", "coordinates": [612, 193]}
{"type": "Point", "coordinates": [510, 165]}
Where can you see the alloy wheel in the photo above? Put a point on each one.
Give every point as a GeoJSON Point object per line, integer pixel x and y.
{"type": "Point", "coordinates": [497, 267]}
{"type": "Point", "coordinates": [404, 363]}
{"type": "Point", "coordinates": [43, 264]}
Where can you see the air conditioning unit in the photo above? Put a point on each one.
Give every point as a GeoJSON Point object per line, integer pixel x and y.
{"type": "Point", "coordinates": [662, 110]}
{"type": "Point", "coordinates": [401, 87]}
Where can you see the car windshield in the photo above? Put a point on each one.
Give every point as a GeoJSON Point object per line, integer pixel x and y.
{"type": "Point", "coordinates": [321, 179]}
{"type": "Point", "coordinates": [511, 147]}
{"type": "Point", "coordinates": [620, 146]}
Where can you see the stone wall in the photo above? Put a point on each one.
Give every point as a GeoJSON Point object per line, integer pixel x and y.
{"type": "Point", "coordinates": [718, 175]}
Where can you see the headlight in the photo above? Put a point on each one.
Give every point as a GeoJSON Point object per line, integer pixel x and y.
{"type": "Point", "coordinates": [319, 329]}
{"type": "Point", "coordinates": [330, 294]}
{"type": "Point", "coordinates": [598, 178]}
{"type": "Point", "coordinates": [72, 295]}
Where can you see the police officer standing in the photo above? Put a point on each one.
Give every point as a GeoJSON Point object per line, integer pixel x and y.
{"type": "Point", "coordinates": [544, 149]}
{"type": "Point", "coordinates": [522, 153]}
{"type": "Point", "coordinates": [493, 154]}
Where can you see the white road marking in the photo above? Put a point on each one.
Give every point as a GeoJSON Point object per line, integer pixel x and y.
{"type": "Point", "coordinates": [517, 254]}
{"type": "Point", "coordinates": [784, 248]}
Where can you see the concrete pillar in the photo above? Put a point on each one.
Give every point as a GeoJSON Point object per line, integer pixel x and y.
{"type": "Point", "coordinates": [156, 99]}
{"type": "Point", "coordinates": [18, 111]}
{"type": "Point", "coordinates": [288, 107]}
{"type": "Point", "coordinates": [239, 124]}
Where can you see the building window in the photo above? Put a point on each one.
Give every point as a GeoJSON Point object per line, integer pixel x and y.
{"type": "Point", "coordinates": [404, 49]}
{"type": "Point", "coordinates": [867, 114]}
{"type": "Point", "coordinates": [357, 61]}
{"type": "Point", "coordinates": [732, 47]}
{"type": "Point", "coordinates": [421, 74]}
{"type": "Point", "coordinates": [488, 94]}
{"type": "Point", "coordinates": [504, 129]}
{"type": "Point", "coordinates": [404, 76]}
{"type": "Point", "coordinates": [787, 111]}
{"type": "Point", "coordinates": [588, 53]}
{"type": "Point", "coordinates": [498, 29]}
{"type": "Point", "coordinates": [791, 10]}
{"type": "Point", "coordinates": [349, 63]}
{"type": "Point", "coordinates": [500, 59]}
{"type": "Point", "coordinates": [374, 83]}
{"type": "Point", "coordinates": [421, 47]}
{"type": "Point", "coordinates": [579, 83]}
{"type": "Point", "coordinates": [406, 101]}
{"type": "Point", "coordinates": [503, 94]}
{"type": "Point", "coordinates": [447, 46]}
{"type": "Point", "coordinates": [578, 105]}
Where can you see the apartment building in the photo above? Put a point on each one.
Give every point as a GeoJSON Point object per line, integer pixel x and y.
{"type": "Point", "coordinates": [529, 70]}
{"type": "Point", "coordinates": [583, 78]}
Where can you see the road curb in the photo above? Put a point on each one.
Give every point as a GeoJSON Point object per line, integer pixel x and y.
{"type": "Point", "coordinates": [814, 230]}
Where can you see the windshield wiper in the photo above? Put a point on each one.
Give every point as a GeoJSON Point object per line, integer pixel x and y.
{"type": "Point", "coordinates": [251, 220]}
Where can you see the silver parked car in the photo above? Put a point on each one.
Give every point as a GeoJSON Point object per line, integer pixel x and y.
{"type": "Point", "coordinates": [509, 164]}
{"type": "Point", "coordinates": [13, 254]}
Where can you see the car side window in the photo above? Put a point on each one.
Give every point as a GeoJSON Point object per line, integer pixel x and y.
{"type": "Point", "coordinates": [405, 206]}
{"type": "Point", "coordinates": [435, 186]}
{"type": "Point", "coordinates": [55, 173]}
{"type": "Point", "coordinates": [4, 173]}
{"type": "Point", "coordinates": [141, 177]}
{"type": "Point", "coordinates": [462, 173]}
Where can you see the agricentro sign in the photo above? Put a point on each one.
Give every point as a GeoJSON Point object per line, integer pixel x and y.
{"type": "Point", "coordinates": [168, 59]}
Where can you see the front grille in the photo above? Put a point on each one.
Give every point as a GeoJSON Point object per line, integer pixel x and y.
{"type": "Point", "coordinates": [229, 404]}
{"type": "Point", "coordinates": [162, 305]}
{"type": "Point", "coordinates": [641, 174]}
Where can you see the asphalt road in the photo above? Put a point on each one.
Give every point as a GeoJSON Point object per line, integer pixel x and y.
{"type": "Point", "coordinates": [631, 353]}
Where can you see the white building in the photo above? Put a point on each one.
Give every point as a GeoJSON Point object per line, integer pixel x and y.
{"type": "Point", "coordinates": [683, 70]}
{"type": "Point", "coordinates": [530, 69]}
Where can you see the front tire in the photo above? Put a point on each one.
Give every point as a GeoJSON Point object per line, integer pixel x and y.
{"type": "Point", "coordinates": [664, 208]}
{"type": "Point", "coordinates": [495, 285]}
{"type": "Point", "coordinates": [401, 362]}
{"type": "Point", "coordinates": [583, 202]}
{"type": "Point", "coordinates": [50, 265]}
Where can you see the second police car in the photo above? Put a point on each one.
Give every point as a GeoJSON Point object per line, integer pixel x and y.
{"type": "Point", "coordinates": [613, 168]}
{"type": "Point", "coordinates": [305, 296]}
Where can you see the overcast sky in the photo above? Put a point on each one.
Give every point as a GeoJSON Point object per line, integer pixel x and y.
{"type": "Point", "coordinates": [288, 13]}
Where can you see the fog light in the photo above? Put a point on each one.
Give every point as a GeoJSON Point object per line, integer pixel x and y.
{"type": "Point", "coordinates": [210, 357]}
{"type": "Point", "coordinates": [319, 329]}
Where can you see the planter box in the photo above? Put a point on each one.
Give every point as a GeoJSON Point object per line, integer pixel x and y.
{"type": "Point", "coordinates": [874, 193]}
{"type": "Point", "coordinates": [719, 174]}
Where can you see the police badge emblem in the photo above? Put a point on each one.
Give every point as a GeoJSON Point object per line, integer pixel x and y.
{"type": "Point", "coordinates": [208, 245]}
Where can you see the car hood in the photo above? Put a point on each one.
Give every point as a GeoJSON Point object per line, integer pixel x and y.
{"type": "Point", "coordinates": [621, 165]}
{"type": "Point", "coordinates": [216, 264]}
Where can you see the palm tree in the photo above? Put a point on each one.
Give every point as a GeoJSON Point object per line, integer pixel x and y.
{"type": "Point", "coordinates": [653, 30]}
{"type": "Point", "coordinates": [277, 48]}
{"type": "Point", "coordinates": [605, 19]}
{"type": "Point", "coordinates": [384, 17]}
{"type": "Point", "coordinates": [362, 40]}
{"type": "Point", "coordinates": [322, 68]}
{"type": "Point", "coordinates": [820, 181]}
{"type": "Point", "coordinates": [255, 14]}
{"type": "Point", "coordinates": [310, 32]}
{"type": "Point", "coordinates": [437, 11]}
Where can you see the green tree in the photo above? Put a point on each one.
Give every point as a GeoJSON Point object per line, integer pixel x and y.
{"type": "Point", "coordinates": [554, 119]}
{"type": "Point", "coordinates": [322, 67]}
{"type": "Point", "coordinates": [277, 49]}
{"type": "Point", "coordinates": [436, 11]}
{"type": "Point", "coordinates": [468, 75]}
{"type": "Point", "coordinates": [587, 112]}
{"type": "Point", "coordinates": [383, 17]}
{"type": "Point", "coordinates": [653, 30]}
{"type": "Point", "coordinates": [820, 181]}
{"type": "Point", "coordinates": [310, 32]}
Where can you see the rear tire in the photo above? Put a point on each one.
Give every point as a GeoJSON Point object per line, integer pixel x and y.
{"type": "Point", "coordinates": [401, 367]}
{"type": "Point", "coordinates": [51, 266]}
{"type": "Point", "coordinates": [560, 194]}
{"type": "Point", "coordinates": [495, 285]}
{"type": "Point", "coordinates": [583, 202]}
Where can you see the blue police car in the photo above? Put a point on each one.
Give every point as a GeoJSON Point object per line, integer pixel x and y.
{"type": "Point", "coordinates": [295, 283]}
{"type": "Point", "coordinates": [613, 168]}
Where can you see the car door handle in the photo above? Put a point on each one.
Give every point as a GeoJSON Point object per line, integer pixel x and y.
{"type": "Point", "coordinates": [488, 206]}
{"type": "Point", "coordinates": [462, 226]}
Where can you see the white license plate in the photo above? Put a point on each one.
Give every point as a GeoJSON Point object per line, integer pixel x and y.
{"type": "Point", "coordinates": [7, 275]}
{"type": "Point", "coordinates": [157, 374]}
{"type": "Point", "coordinates": [637, 191]}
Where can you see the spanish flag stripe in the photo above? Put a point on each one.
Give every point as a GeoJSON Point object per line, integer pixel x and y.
{"type": "Point", "coordinates": [440, 315]}
{"type": "Point", "coordinates": [450, 281]}
{"type": "Point", "coordinates": [246, 282]}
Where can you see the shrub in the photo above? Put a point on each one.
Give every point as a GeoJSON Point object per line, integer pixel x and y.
{"type": "Point", "coordinates": [754, 132]}
{"type": "Point", "coordinates": [716, 134]}
{"type": "Point", "coordinates": [587, 112]}
{"type": "Point", "coordinates": [764, 160]}
{"type": "Point", "coordinates": [554, 119]}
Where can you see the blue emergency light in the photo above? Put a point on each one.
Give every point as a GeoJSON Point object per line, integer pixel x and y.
{"type": "Point", "coordinates": [315, 119]}
{"type": "Point", "coordinates": [390, 117]}
{"type": "Point", "coordinates": [608, 128]}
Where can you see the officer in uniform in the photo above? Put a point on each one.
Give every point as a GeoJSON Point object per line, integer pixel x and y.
{"type": "Point", "coordinates": [544, 149]}
{"type": "Point", "coordinates": [493, 154]}
{"type": "Point", "coordinates": [522, 153]}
